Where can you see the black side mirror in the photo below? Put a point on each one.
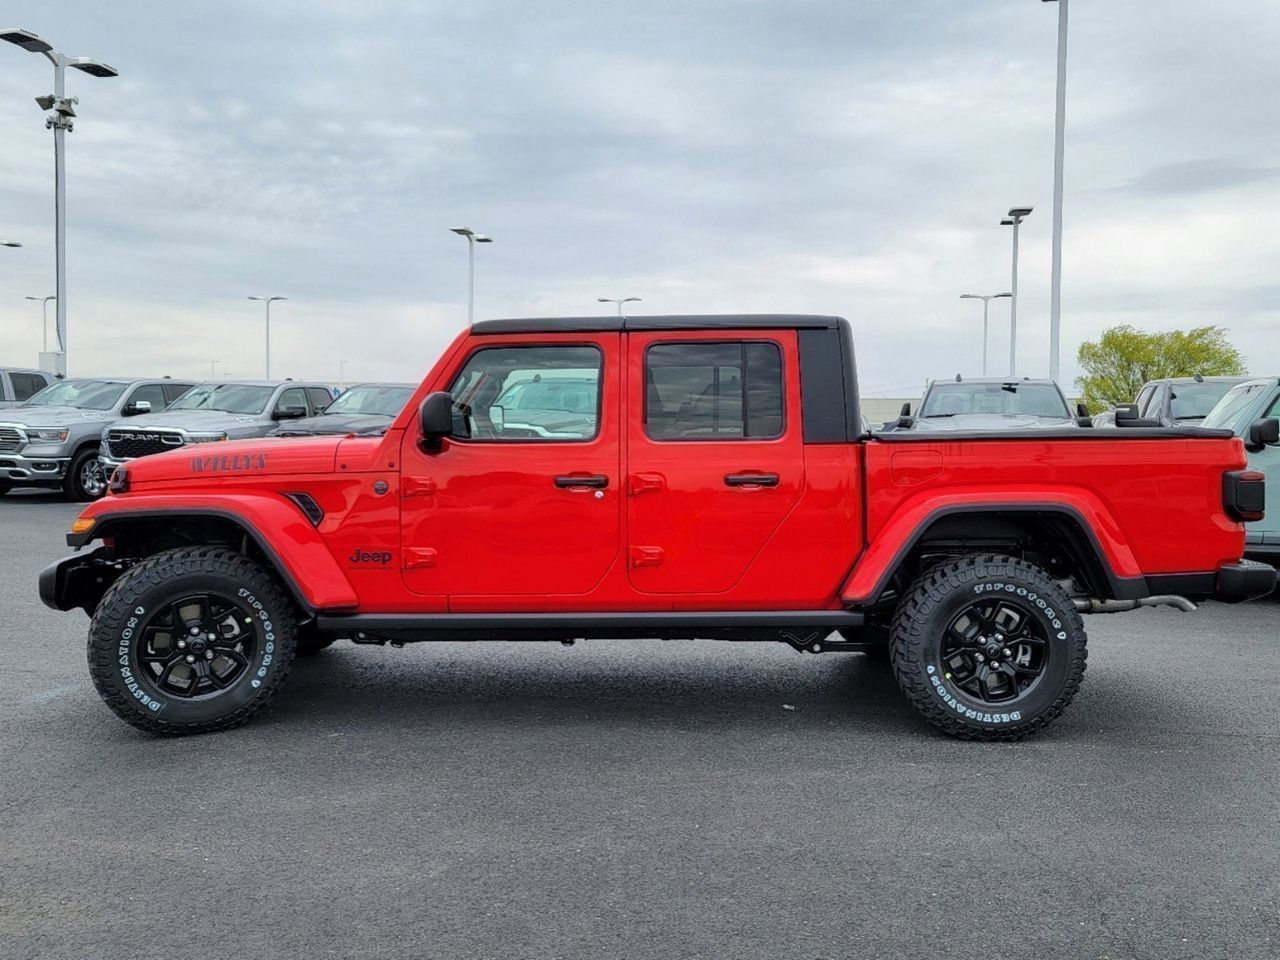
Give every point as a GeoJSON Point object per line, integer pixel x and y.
{"type": "Point", "coordinates": [290, 413]}
{"type": "Point", "coordinates": [905, 421]}
{"type": "Point", "coordinates": [1264, 433]}
{"type": "Point", "coordinates": [1126, 413]}
{"type": "Point", "coordinates": [435, 418]}
{"type": "Point", "coordinates": [1083, 417]}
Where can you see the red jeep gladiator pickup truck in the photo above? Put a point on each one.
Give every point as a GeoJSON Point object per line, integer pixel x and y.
{"type": "Point", "coordinates": [672, 477]}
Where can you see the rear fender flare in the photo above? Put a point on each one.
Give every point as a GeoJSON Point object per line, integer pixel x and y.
{"type": "Point", "coordinates": [909, 525]}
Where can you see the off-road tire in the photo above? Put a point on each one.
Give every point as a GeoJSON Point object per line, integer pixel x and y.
{"type": "Point", "coordinates": [929, 608]}
{"type": "Point", "coordinates": [117, 637]}
{"type": "Point", "coordinates": [73, 486]}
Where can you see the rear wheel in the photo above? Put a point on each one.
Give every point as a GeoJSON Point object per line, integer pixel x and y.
{"type": "Point", "coordinates": [85, 478]}
{"type": "Point", "coordinates": [988, 648]}
{"type": "Point", "coordinates": [191, 640]}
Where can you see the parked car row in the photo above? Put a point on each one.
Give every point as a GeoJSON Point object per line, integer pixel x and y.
{"type": "Point", "coordinates": [72, 433]}
{"type": "Point", "coordinates": [990, 404]}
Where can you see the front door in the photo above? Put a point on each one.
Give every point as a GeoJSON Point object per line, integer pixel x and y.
{"type": "Point", "coordinates": [524, 501]}
{"type": "Point", "coordinates": [715, 455]}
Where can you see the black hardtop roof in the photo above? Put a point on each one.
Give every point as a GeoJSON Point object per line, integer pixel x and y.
{"type": "Point", "coordinates": [718, 321]}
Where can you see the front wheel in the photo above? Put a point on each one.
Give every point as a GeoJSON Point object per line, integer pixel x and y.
{"type": "Point", "coordinates": [988, 648]}
{"type": "Point", "coordinates": [85, 479]}
{"type": "Point", "coordinates": [191, 640]}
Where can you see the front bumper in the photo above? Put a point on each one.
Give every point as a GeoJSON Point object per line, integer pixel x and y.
{"type": "Point", "coordinates": [1246, 580]}
{"type": "Point", "coordinates": [78, 581]}
{"type": "Point", "coordinates": [17, 468]}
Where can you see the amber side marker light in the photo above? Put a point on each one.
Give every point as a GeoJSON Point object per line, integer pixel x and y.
{"type": "Point", "coordinates": [82, 524]}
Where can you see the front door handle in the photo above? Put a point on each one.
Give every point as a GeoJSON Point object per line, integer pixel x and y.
{"type": "Point", "coordinates": [597, 482]}
{"type": "Point", "coordinates": [751, 480]}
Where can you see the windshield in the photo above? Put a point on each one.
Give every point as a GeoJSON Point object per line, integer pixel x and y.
{"type": "Point", "coordinates": [1191, 401]}
{"type": "Point", "coordinates": [371, 401]}
{"type": "Point", "coordinates": [1234, 403]}
{"type": "Point", "coordinates": [227, 397]}
{"type": "Point", "coordinates": [1014, 398]}
{"type": "Point", "coordinates": [82, 394]}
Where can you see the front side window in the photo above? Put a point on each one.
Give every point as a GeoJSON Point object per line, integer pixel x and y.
{"type": "Point", "coordinates": [26, 385]}
{"type": "Point", "coordinates": [528, 394]}
{"type": "Point", "coordinates": [294, 397]}
{"type": "Point", "coordinates": [713, 391]}
{"type": "Point", "coordinates": [1144, 400]}
{"type": "Point", "coordinates": [151, 393]}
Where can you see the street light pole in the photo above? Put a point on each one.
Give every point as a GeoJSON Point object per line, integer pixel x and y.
{"type": "Point", "coordinates": [472, 239]}
{"type": "Point", "coordinates": [268, 301]}
{"type": "Point", "coordinates": [619, 301]}
{"type": "Point", "coordinates": [342, 374]}
{"type": "Point", "coordinates": [60, 120]}
{"type": "Point", "coordinates": [1059, 149]}
{"type": "Point", "coordinates": [986, 299]}
{"type": "Point", "coordinates": [44, 316]}
{"type": "Point", "coordinates": [1015, 218]}
{"type": "Point", "coordinates": [213, 369]}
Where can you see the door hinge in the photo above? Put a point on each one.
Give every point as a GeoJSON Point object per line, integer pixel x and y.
{"type": "Point", "coordinates": [418, 486]}
{"type": "Point", "coordinates": [416, 558]}
{"type": "Point", "coordinates": [639, 483]}
{"type": "Point", "coordinates": [646, 556]}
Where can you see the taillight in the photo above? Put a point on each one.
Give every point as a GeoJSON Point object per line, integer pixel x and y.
{"type": "Point", "coordinates": [1244, 494]}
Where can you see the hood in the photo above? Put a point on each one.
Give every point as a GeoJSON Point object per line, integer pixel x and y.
{"type": "Point", "coordinates": [989, 423]}
{"type": "Point", "coordinates": [196, 421]}
{"type": "Point", "coordinates": [236, 459]}
{"type": "Point", "coordinates": [337, 423]}
{"type": "Point", "coordinates": [55, 416]}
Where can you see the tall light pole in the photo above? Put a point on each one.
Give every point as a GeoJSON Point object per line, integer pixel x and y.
{"type": "Point", "coordinates": [213, 369]}
{"type": "Point", "coordinates": [986, 299]}
{"type": "Point", "coordinates": [472, 239]}
{"type": "Point", "coordinates": [44, 316]}
{"type": "Point", "coordinates": [342, 374]}
{"type": "Point", "coordinates": [268, 301]}
{"type": "Point", "coordinates": [619, 301]}
{"type": "Point", "coordinates": [1015, 218]}
{"type": "Point", "coordinates": [1059, 148]}
{"type": "Point", "coordinates": [62, 110]}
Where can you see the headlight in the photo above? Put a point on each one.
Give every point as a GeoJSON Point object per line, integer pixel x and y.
{"type": "Point", "coordinates": [52, 433]}
{"type": "Point", "coordinates": [206, 437]}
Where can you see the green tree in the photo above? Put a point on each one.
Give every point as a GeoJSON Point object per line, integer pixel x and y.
{"type": "Point", "coordinates": [1124, 358]}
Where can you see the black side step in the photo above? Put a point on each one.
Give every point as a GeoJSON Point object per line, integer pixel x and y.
{"type": "Point", "coordinates": [709, 625]}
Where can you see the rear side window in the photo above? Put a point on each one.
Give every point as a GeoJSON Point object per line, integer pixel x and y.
{"type": "Point", "coordinates": [26, 384]}
{"type": "Point", "coordinates": [320, 398]}
{"type": "Point", "coordinates": [713, 391]}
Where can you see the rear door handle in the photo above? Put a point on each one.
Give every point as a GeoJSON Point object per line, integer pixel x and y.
{"type": "Point", "coordinates": [597, 482]}
{"type": "Point", "coordinates": [751, 480]}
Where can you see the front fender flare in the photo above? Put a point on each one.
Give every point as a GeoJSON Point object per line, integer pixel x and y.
{"type": "Point", "coordinates": [278, 528]}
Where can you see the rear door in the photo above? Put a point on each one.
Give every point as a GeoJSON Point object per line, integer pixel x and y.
{"type": "Point", "coordinates": [715, 454]}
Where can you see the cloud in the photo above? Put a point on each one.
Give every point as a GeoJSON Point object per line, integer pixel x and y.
{"type": "Point", "coordinates": [711, 155]}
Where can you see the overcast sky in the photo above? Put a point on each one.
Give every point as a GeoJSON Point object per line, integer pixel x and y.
{"type": "Point", "coordinates": [820, 156]}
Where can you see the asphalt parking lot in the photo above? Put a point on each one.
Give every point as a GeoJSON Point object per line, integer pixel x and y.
{"type": "Point", "coordinates": [639, 799]}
